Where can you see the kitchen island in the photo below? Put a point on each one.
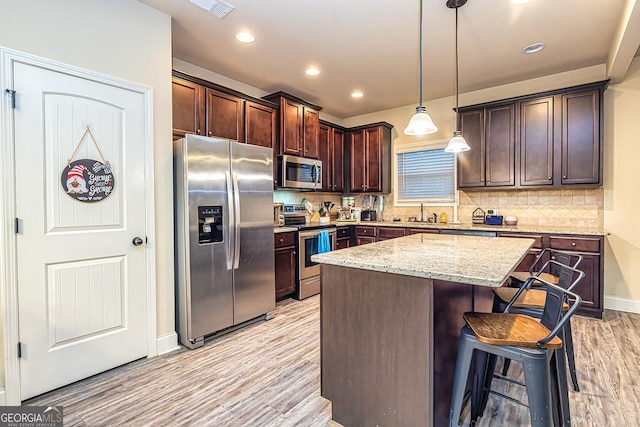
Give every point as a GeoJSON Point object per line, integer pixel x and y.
{"type": "Point", "coordinates": [390, 317]}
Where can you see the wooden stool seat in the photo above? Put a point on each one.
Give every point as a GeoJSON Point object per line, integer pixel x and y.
{"type": "Point", "coordinates": [521, 276]}
{"type": "Point", "coordinates": [508, 329]}
{"type": "Point", "coordinates": [529, 298]}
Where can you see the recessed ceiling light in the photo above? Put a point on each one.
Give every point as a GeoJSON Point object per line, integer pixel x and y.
{"type": "Point", "coordinates": [357, 94]}
{"type": "Point", "coordinates": [519, 1]}
{"type": "Point", "coordinates": [312, 71]}
{"type": "Point", "coordinates": [533, 48]}
{"type": "Point", "coordinates": [245, 37]}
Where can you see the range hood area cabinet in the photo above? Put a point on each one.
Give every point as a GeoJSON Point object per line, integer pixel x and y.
{"type": "Point", "coordinates": [332, 140]}
{"type": "Point", "coordinates": [299, 125]}
{"type": "Point", "coordinates": [204, 108]}
{"type": "Point", "coordinates": [368, 159]}
{"type": "Point", "coordinates": [551, 139]}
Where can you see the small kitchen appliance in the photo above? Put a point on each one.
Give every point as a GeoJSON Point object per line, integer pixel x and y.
{"type": "Point", "coordinates": [368, 215]}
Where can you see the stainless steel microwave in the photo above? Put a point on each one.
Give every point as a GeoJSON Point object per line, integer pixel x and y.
{"type": "Point", "coordinates": [299, 172]}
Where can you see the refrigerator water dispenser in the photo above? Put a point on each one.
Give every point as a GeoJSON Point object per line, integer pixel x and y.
{"type": "Point", "coordinates": [209, 224]}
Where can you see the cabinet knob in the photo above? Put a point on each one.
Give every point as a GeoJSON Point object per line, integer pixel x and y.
{"type": "Point", "coordinates": [564, 176]}
{"type": "Point", "coordinates": [210, 133]}
{"type": "Point", "coordinates": [550, 178]}
{"type": "Point", "coordinates": [281, 240]}
{"type": "Point", "coordinates": [573, 243]}
{"type": "Point", "coordinates": [294, 252]}
{"type": "Point", "coordinates": [198, 131]}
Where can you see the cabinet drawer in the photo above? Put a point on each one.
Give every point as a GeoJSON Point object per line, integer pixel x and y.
{"type": "Point", "coordinates": [365, 231]}
{"type": "Point", "coordinates": [343, 232]}
{"type": "Point", "coordinates": [342, 243]}
{"type": "Point", "coordinates": [536, 237]}
{"type": "Point", "coordinates": [281, 240]}
{"type": "Point", "coordinates": [575, 243]}
{"type": "Point", "coordinates": [389, 233]}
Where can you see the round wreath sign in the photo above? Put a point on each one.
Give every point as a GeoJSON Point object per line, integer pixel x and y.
{"type": "Point", "coordinates": [88, 180]}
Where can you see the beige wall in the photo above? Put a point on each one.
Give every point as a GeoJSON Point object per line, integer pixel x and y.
{"type": "Point", "coordinates": [124, 39]}
{"type": "Point", "coordinates": [621, 193]}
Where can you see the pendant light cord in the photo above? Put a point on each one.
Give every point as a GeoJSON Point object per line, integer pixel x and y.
{"type": "Point", "coordinates": [420, 53]}
{"type": "Point", "coordinates": [457, 113]}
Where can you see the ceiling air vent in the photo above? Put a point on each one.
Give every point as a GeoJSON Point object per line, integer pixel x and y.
{"type": "Point", "coordinates": [217, 8]}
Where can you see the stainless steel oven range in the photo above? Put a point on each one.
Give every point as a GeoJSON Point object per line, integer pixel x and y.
{"type": "Point", "coordinates": [308, 271]}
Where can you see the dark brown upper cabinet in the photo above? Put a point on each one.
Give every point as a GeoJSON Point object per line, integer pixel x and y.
{"type": "Point", "coordinates": [536, 142]}
{"type": "Point", "coordinates": [551, 139]}
{"type": "Point", "coordinates": [260, 124]}
{"type": "Point", "coordinates": [581, 158]}
{"type": "Point", "coordinates": [204, 108]}
{"type": "Point", "coordinates": [299, 125]}
{"type": "Point", "coordinates": [188, 108]}
{"type": "Point", "coordinates": [331, 148]}
{"type": "Point", "coordinates": [369, 158]}
{"type": "Point", "coordinates": [490, 132]}
{"type": "Point", "coordinates": [225, 116]}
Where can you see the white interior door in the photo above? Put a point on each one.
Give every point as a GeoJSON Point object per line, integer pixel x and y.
{"type": "Point", "coordinates": [81, 281]}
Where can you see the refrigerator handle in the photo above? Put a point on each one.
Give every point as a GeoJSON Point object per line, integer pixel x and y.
{"type": "Point", "coordinates": [231, 243]}
{"type": "Point", "coordinates": [236, 225]}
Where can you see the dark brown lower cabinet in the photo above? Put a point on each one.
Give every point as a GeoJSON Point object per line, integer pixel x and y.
{"type": "Point", "coordinates": [591, 287]}
{"type": "Point", "coordinates": [285, 263]}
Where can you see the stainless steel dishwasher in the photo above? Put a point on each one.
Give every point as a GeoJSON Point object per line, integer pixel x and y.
{"type": "Point", "coordinates": [482, 233]}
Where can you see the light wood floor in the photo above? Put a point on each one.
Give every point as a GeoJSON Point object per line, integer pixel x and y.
{"type": "Point", "coordinates": [268, 375]}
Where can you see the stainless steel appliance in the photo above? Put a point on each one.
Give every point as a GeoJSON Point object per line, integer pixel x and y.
{"type": "Point", "coordinates": [368, 215]}
{"type": "Point", "coordinates": [308, 271]}
{"type": "Point", "coordinates": [223, 235]}
{"type": "Point", "coordinates": [299, 172]}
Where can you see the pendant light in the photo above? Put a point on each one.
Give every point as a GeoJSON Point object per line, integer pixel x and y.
{"type": "Point", "coordinates": [457, 143]}
{"type": "Point", "coordinates": [420, 123]}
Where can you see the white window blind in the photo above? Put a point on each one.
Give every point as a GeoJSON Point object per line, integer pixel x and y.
{"type": "Point", "coordinates": [425, 176]}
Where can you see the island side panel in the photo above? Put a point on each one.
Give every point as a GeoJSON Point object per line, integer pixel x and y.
{"type": "Point", "coordinates": [451, 301]}
{"type": "Point", "coordinates": [376, 347]}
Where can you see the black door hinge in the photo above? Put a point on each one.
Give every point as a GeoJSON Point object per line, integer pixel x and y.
{"type": "Point", "coordinates": [12, 93]}
{"type": "Point", "coordinates": [18, 226]}
{"type": "Point", "coordinates": [19, 350]}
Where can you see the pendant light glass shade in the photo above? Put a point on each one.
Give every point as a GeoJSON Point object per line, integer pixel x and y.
{"type": "Point", "coordinates": [420, 123]}
{"type": "Point", "coordinates": [457, 144]}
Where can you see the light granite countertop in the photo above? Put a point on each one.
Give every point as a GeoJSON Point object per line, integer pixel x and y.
{"type": "Point", "coordinates": [481, 227]}
{"type": "Point", "coordinates": [277, 230]}
{"type": "Point", "coordinates": [463, 259]}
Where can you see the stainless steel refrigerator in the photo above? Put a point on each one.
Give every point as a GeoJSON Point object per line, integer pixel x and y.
{"type": "Point", "coordinates": [223, 235]}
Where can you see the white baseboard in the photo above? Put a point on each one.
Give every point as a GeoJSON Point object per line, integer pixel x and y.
{"type": "Point", "coordinates": [2, 398]}
{"type": "Point", "coordinates": [621, 304]}
{"type": "Point", "coordinates": [167, 343]}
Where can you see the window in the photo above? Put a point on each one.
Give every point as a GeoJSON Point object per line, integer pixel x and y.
{"type": "Point", "coordinates": [425, 173]}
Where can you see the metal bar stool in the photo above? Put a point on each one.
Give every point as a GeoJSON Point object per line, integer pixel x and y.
{"type": "Point", "coordinates": [566, 258]}
{"type": "Point", "coordinates": [518, 337]}
{"type": "Point", "coordinates": [531, 302]}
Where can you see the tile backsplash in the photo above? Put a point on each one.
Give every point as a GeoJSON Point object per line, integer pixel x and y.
{"type": "Point", "coordinates": [574, 207]}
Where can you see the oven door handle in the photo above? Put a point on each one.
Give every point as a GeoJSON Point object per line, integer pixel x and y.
{"type": "Point", "coordinates": [314, 233]}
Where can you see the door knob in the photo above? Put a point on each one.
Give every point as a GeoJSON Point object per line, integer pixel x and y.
{"type": "Point", "coordinates": [137, 241]}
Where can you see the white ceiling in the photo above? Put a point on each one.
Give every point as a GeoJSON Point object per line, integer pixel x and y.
{"type": "Point", "coordinates": [372, 45]}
